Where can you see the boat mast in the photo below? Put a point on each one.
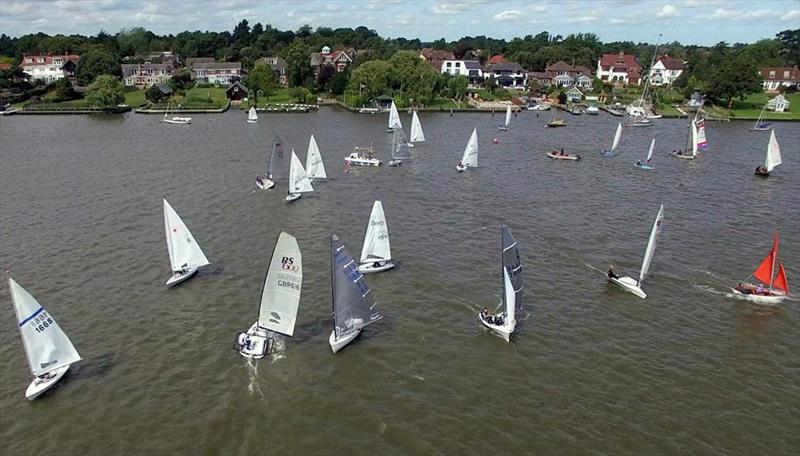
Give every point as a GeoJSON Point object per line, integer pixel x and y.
{"type": "Point", "coordinates": [652, 62]}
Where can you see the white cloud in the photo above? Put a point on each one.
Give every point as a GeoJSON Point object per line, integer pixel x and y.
{"type": "Point", "coordinates": [507, 15]}
{"type": "Point", "coordinates": [706, 3]}
{"type": "Point", "coordinates": [583, 19]}
{"type": "Point", "coordinates": [738, 15]}
{"type": "Point", "coordinates": [792, 15]}
{"type": "Point", "coordinates": [449, 8]}
{"type": "Point", "coordinates": [667, 11]}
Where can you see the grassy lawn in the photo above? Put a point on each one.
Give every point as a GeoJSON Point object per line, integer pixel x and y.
{"type": "Point", "coordinates": [750, 108]}
{"type": "Point", "coordinates": [446, 103]}
{"type": "Point", "coordinates": [197, 98]}
{"type": "Point", "coordinates": [134, 97]}
{"type": "Point", "coordinates": [669, 111]}
{"type": "Point", "coordinates": [280, 96]}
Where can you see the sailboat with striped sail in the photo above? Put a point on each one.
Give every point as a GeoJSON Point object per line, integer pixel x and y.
{"type": "Point", "coordinates": [778, 287]}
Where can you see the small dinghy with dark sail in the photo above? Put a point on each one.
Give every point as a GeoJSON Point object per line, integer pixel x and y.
{"type": "Point", "coordinates": [504, 322]}
{"type": "Point", "coordinates": [400, 146]}
{"type": "Point", "coordinates": [278, 165]}
{"type": "Point", "coordinates": [630, 284]}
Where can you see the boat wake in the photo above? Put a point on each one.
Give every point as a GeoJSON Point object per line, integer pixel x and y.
{"type": "Point", "coordinates": [278, 349]}
{"type": "Point", "coordinates": [253, 386]}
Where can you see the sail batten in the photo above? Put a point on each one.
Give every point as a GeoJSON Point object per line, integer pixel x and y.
{"type": "Point", "coordinates": [280, 295]}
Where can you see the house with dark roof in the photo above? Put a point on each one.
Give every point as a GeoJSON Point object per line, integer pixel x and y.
{"type": "Point", "coordinates": [219, 73]}
{"type": "Point", "coordinates": [507, 74]}
{"type": "Point", "coordinates": [619, 68]}
{"type": "Point", "coordinates": [562, 74]}
{"type": "Point", "coordinates": [665, 71]}
{"type": "Point", "coordinates": [237, 91]}
{"type": "Point", "coordinates": [777, 77]}
{"type": "Point", "coordinates": [435, 57]}
{"type": "Point", "coordinates": [144, 75]}
{"type": "Point", "coordinates": [469, 68]}
{"type": "Point", "coordinates": [340, 59]}
{"type": "Point", "coordinates": [278, 66]}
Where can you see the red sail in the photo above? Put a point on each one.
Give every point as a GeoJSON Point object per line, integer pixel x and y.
{"type": "Point", "coordinates": [764, 271]}
{"type": "Point", "coordinates": [780, 281]}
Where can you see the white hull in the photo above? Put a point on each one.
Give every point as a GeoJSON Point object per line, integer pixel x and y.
{"type": "Point", "coordinates": [777, 298]}
{"type": "Point", "coordinates": [539, 107]}
{"type": "Point", "coordinates": [179, 120]}
{"type": "Point", "coordinates": [292, 197]}
{"type": "Point", "coordinates": [461, 168]}
{"type": "Point", "coordinates": [252, 121]}
{"type": "Point", "coordinates": [502, 128]}
{"type": "Point", "coordinates": [685, 157]}
{"type": "Point", "coordinates": [38, 387]}
{"type": "Point", "coordinates": [338, 344]}
{"type": "Point", "coordinates": [266, 185]}
{"type": "Point", "coordinates": [503, 331]}
{"type": "Point", "coordinates": [366, 268]}
{"type": "Point", "coordinates": [628, 284]}
{"type": "Point", "coordinates": [258, 343]}
{"type": "Point", "coordinates": [395, 162]}
{"type": "Point", "coordinates": [178, 277]}
{"type": "Point", "coordinates": [562, 157]}
{"type": "Point", "coordinates": [358, 161]}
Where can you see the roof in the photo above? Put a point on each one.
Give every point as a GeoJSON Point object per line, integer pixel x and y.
{"type": "Point", "coordinates": [574, 90]}
{"type": "Point", "coordinates": [572, 70]}
{"type": "Point", "coordinates": [794, 74]}
{"type": "Point", "coordinates": [275, 62]}
{"type": "Point", "coordinates": [620, 62]}
{"type": "Point", "coordinates": [127, 68]}
{"type": "Point", "coordinates": [237, 84]}
{"type": "Point", "coordinates": [217, 66]}
{"type": "Point", "coordinates": [164, 88]}
{"type": "Point", "coordinates": [472, 64]}
{"type": "Point", "coordinates": [48, 58]}
{"type": "Point", "coordinates": [436, 54]}
{"type": "Point", "coordinates": [505, 66]}
{"type": "Point", "coordinates": [498, 58]}
{"type": "Point", "coordinates": [670, 63]}
{"type": "Point", "coordinates": [193, 60]}
{"type": "Point", "coordinates": [5, 66]}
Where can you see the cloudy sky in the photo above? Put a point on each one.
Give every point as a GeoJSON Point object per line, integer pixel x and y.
{"type": "Point", "coordinates": [688, 21]}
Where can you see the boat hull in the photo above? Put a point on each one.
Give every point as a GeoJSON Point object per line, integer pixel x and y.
{"type": "Point", "coordinates": [607, 153]}
{"type": "Point", "coordinates": [292, 197]}
{"type": "Point", "coordinates": [180, 277]}
{"type": "Point", "coordinates": [395, 162]}
{"type": "Point", "coordinates": [502, 128]}
{"type": "Point", "coordinates": [367, 268]}
{"type": "Point", "coordinates": [648, 167]}
{"type": "Point", "coordinates": [252, 121]}
{"type": "Point", "coordinates": [461, 168]}
{"type": "Point", "coordinates": [685, 157]}
{"type": "Point", "coordinates": [363, 161]}
{"type": "Point", "coordinates": [179, 120]}
{"type": "Point", "coordinates": [555, 156]}
{"type": "Point", "coordinates": [502, 331]}
{"type": "Point", "coordinates": [776, 298]}
{"type": "Point", "coordinates": [258, 343]}
{"type": "Point", "coordinates": [628, 284]}
{"type": "Point", "coordinates": [265, 185]}
{"type": "Point", "coordinates": [39, 387]}
{"type": "Point", "coordinates": [339, 343]}
{"type": "Point", "coordinates": [556, 124]}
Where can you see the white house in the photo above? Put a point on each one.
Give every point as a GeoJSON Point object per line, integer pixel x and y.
{"type": "Point", "coordinates": [507, 74]}
{"type": "Point", "coordinates": [778, 104]}
{"type": "Point", "coordinates": [144, 75]}
{"type": "Point", "coordinates": [469, 68]}
{"type": "Point", "coordinates": [619, 69]}
{"type": "Point", "coordinates": [49, 68]}
{"type": "Point", "coordinates": [665, 71]}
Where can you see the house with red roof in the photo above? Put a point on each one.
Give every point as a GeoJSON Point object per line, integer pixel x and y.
{"type": "Point", "coordinates": [777, 77]}
{"type": "Point", "coordinates": [496, 59]}
{"type": "Point", "coordinates": [435, 57]}
{"type": "Point", "coordinates": [49, 68]}
{"type": "Point", "coordinates": [340, 59]}
{"type": "Point", "coordinates": [619, 68]}
{"type": "Point", "coordinates": [665, 71]}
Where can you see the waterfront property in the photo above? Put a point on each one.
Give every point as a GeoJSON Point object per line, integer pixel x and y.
{"type": "Point", "coordinates": [619, 69]}
{"type": "Point", "coordinates": [469, 68]}
{"type": "Point", "coordinates": [562, 74]}
{"type": "Point", "coordinates": [143, 75]}
{"type": "Point", "coordinates": [777, 77]}
{"type": "Point", "coordinates": [219, 73]}
{"type": "Point", "coordinates": [665, 71]}
{"type": "Point", "coordinates": [435, 57]}
{"type": "Point", "coordinates": [236, 92]}
{"type": "Point", "coordinates": [278, 66]}
{"type": "Point", "coordinates": [507, 74]}
{"type": "Point", "coordinates": [340, 59]}
{"type": "Point", "coordinates": [50, 68]}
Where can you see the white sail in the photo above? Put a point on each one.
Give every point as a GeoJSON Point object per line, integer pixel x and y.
{"type": "Point", "coordinates": [298, 179]}
{"type": "Point", "coordinates": [651, 244]}
{"type": "Point", "coordinates": [280, 296]}
{"type": "Point", "coordinates": [394, 117]}
{"type": "Point", "coordinates": [46, 345]}
{"type": "Point", "coordinates": [470, 157]}
{"type": "Point", "coordinates": [694, 139]}
{"type": "Point", "coordinates": [183, 249]}
{"type": "Point", "coordinates": [416, 129]}
{"type": "Point", "coordinates": [650, 152]}
{"type": "Point", "coordinates": [508, 115]}
{"type": "Point", "coordinates": [510, 298]}
{"type": "Point", "coordinates": [376, 239]}
{"type": "Point", "coordinates": [251, 114]}
{"type": "Point", "coordinates": [617, 137]}
{"type": "Point", "coordinates": [773, 153]}
{"type": "Point", "coordinates": [315, 168]}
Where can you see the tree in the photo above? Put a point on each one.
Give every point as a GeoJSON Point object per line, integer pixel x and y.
{"type": "Point", "coordinates": [298, 63]}
{"type": "Point", "coordinates": [532, 86]}
{"type": "Point", "coordinates": [95, 63]}
{"type": "Point", "coordinates": [338, 83]}
{"type": "Point", "coordinates": [326, 73]}
{"type": "Point", "coordinates": [154, 94]}
{"type": "Point", "coordinates": [182, 80]}
{"type": "Point", "coordinates": [105, 92]}
{"type": "Point", "coordinates": [262, 79]}
{"type": "Point", "coordinates": [790, 46]}
{"type": "Point", "coordinates": [736, 77]}
{"type": "Point", "coordinates": [64, 90]}
{"type": "Point", "coordinates": [457, 87]}
{"type": "Point", "coordinates": [299, 94]}
{"type": "Point", "coordinates": [134, 41]}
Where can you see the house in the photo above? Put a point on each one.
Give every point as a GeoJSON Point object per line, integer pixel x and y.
{"type": "Point", "coordinates": [218, 73]}
{"type": "Point", "coordinates": [777, 77]}
{"type": "Point", "coordinates": [49, 68]}
{"type": "Point", "coordinates": [167, 57]}
{"type": "Point", "coordinates": [193, 60]}
{"type": "Point", "coordinates": [778, 104]}
{"type": "Point", "coordinates": [574, 94]}
{"type": "Point", "coordinates": [237, 91]}
{"type": "Point", "coordinates": [543, 77]}
{"type": "Point", "coordinates": [165, 89]}
{"type": "Point", "coordinates": [340, 59]}
{"type": "Point", "coordinates": [665, 71]}
{"type": "Point", "coordinates": [507, 74]}
{"type": "Point", "coordinates": [469, 68]}
{"type": "Point", "coordinates": [146, 74]}
{"type": "Point", "coordinates": [562, 74]}
{"type": "Point", "coordinates": [278, 66]}
{"type": "Point", "coordinates": [435, 57]}
{"type": "Point", "coordinates": [619, 69]}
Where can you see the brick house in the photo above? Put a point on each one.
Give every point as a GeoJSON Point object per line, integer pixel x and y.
{"type": "Point", "coordinates": [340, 59]}
{"type": "Point", "coordinates": [777, 77]}
{"type": "Point", "coordinates": [619, 69]}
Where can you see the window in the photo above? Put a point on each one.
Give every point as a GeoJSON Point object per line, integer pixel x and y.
{"type": "Point", "coordinates": [458, 64]}
{"type": "Point", "coordinates": [772, 74]}
{"type": "Point", "coordinates": [786, 74]}
{"type": "Point", "coordinates": [40, 60]}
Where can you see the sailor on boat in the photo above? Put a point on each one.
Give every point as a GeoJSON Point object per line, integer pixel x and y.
{"type": "Point", "coordinates": [259, 181]}
{"type": "Point", "coordinates": [761, 170]}
{"type": "Point", "coordinates": [611, 274]}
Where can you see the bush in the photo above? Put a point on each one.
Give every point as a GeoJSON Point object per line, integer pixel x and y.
{"type": "Point", "coordinates": [311, 99]}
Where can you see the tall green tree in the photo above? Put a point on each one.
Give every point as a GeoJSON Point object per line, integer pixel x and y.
{"type": "Point", "coordinates": [262, 79]}
{"type": "Point", "coordinates": [298, 63]}
{"type": "Point", "coordinates": [790, 46]}
{"type": "Point", "coordinates": [457, 87]}
{"type": "Point", "coordinates": [94, 63]}
{"type": "Point", "coordinates": [105, 92]}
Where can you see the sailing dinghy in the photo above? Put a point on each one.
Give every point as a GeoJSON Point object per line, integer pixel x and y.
{"type": "Point", "coordinates": [315, 167]}
{"type": "Point", "coordinates": [376, 253]}
{"type": "Point", "coordinates": [504, 127]}
{"type": "Point", "coordinates": [646, 163]}
{"type": "Point", "coordinates": [504, 323]}
{"type": "Point", "coordinates": [691, 144]}
{"type": "Point", "coordinates": [280, 299]}
{"type": "Point", "coordinates": [773, 157]}
{"type": "Point", "coordinates": [629, 283]}
{"type": "Point", "coordinates": [470, 157]}
{"type": "Point", "coordinates": [778, 285]}
{"type": "Point", "coordinates": [185, 254]}
{"type": "Point", "coordinates": [400, 146]}
{"type": "Point", "coordinates": [352, 302]}
{"type": "Point", "coordinates": [560, 155]}
{"type": "Point", "coordinates": [555, 121]}
{"type": "Point", "coordinates": [417, 135]}
{"type": "Point", "coordinates": [252, 116]}
{"type": "Point", "coordinates": [394, 119]}
{"type": "Point", "coordinates": [760, 125]}
{"type": "Point", "coordinates": [614, 144]}
{"type": "Point", "coordinates": [175, 120]}
{"type": "Point", "coordinates": [298, 180]}
{"type": "Point", "coordinates": [277, 165]}
{"type": "Point", "coordinates": [49, 351]}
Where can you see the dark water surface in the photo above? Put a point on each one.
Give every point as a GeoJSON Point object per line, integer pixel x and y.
{"type": "Point", "coordinates": [590, 370]}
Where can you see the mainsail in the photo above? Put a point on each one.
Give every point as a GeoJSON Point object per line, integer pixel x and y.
{"type": "Point", "coordinates": [512, 264]}
{"type": "Point", "coordinates": [508, 115]}
{"type": "Point", "coordinates": [394, 117]}
{"type": "Point", "coordinates": [400, 148]}
{"type": "Point", "coordinates": [650, 152]}
{"type": "Point", "coordinates": [773, 153]}
{"type": "Point", "coordinates": [353, 306]}
{"type": "Point", "coordinates": [315, 168]}
{"type": "Point", "coordinates": [416, 129]}
{"type": "Point", "coordinates": [280, 296]}
{"type": "Point", "coordinates": [651, 244]}
{"type": "Point", "coordinates": [509, 299]}
{"type": "Point", "coordinates": [279, 161]}
{"type": "Point", "coordinates": [470, 157]}
{"type": "Point", "coordinates": [46, 345]}
{"type": "Point", "coordinates": [701, 141]}
{"type": "Point", "coordinates": [765, 270]}
{"type": "Point", "coordinates": [183, 249]}
{"type": "Point", "coordinates": [376, 239]}
{"type": "Point", "coordinates": [251, 114]}
{"type": "Point", "coordinates": [298, 179]}
{"type": "Point", "coordinates": [617, 136]}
